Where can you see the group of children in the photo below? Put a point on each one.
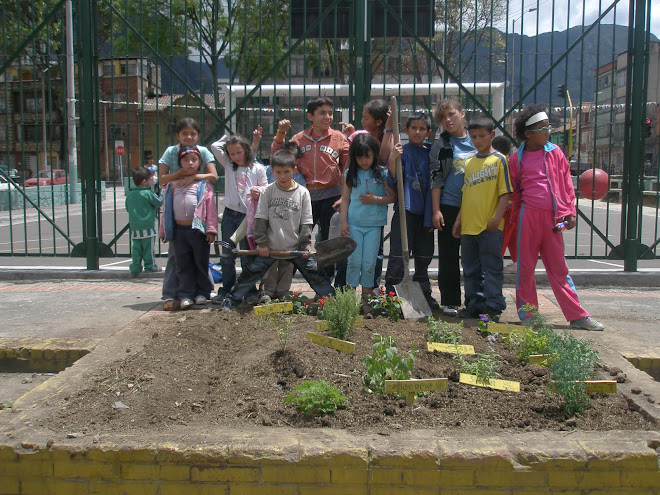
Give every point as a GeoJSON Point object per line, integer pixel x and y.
{"type": "Point", "coordinates": [460, 186]}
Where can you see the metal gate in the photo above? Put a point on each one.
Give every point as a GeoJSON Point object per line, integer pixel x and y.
{"type": "Point", "coordinates": [96, 107]}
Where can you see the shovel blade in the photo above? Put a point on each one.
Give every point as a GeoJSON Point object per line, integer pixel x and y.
{"type": "Point", "coordinates": [413, 302]}
{"type": "Point", "coordinates": [333, 250]}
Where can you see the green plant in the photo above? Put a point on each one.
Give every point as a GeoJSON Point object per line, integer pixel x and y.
{"type": "Point", "coordinates": [300, 303]}
{"type": "Point", "coordinates": [573, 362]}
{"type": "Point", "coordinates": [316, 398]}
{"type": "Point", "coordinates": [529, 342]}
{"type": "Point", "coordinates": [385, 363]}
{"type": "Point", "coordinates": [340, 312]}
{"type": "Point", "coordinates": [387, 304]}
{"type": "Point", "coordinates": [538, 322]}
{"type": "Point", "coordinates": [482, 324]}
{"type": "Point", "coordinates": [443, 332]}
{"type": "Point", "coordinates": [281, 323]}
{"type": "Point", "coordinates": [484, 366]}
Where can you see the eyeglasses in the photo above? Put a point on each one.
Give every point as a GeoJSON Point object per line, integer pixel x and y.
{"type": "Point", "coordinates": [547, 128]}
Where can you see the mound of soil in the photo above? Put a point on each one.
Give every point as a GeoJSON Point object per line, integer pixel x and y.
{"type": "Point", "coordinates": [210, 368]}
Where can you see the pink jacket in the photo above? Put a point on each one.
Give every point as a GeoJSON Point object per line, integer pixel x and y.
{"type": "Point", "coordinates": [322, 161]}
{"type": "Point", "coordinates": [558, 172]}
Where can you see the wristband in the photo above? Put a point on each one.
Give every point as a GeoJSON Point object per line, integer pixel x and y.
{"type": "Point", "coordinates": [389, 130]}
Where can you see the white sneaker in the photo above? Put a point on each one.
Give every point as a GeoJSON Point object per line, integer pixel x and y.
{"type": "Point", "coordinates": [512, 268]}
{"type": "Point", "coordinates": [587, 323]}
{"type": "Point", "coordinates": [201, 300]}
{"type": "Point", "coordinates": [186, 303]}
{"type": "Point", "coordinates": [265, 299]}
{"type": "Point", "coordinates": [450, 311]}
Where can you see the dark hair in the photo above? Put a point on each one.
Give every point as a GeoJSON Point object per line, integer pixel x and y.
{"type": "Point", "coordinates": [318, 102]}
{"type": "Point", "coordinates": [362, 144]}
{"type": "Point", "coordinates": [140, 174]}
{"type": "Point", "coordinates": [420, 115]}
{"type": "Point", "coordinates": [480, 121]}
{"type": "Point", "coordinates": [502, 144]}
{"type": "Point", "coordinates": [378, 109]}
{"type": "Point", "coordinates": [184, 150]}
{"type": "Point", "coordinates": [444, 105]}
{"type": "Point", "coordinates": [519, 126]}
{"type": "Point", "coordinates": [181, 124]}
{"type": "Point", "coordinates": [245, 144]}
{"type": "Point", "coordinates": [286, 157]}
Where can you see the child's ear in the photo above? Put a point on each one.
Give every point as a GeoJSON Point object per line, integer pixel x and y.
{"type": "Point", "coordinates": [310, 116]}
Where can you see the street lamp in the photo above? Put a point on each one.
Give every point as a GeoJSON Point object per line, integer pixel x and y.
{"type": "Point", "coordinates": [513, 55]}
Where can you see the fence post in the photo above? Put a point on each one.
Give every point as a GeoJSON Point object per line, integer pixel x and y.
{"type": "Point", "coordinates": [362, 62]}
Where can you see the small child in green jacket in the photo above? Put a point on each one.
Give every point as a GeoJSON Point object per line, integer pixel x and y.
{"type": "Point", "coordinates": [142, 204]}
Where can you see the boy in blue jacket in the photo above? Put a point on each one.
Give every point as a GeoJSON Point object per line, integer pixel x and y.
{"type": "Point", "coordinates": [417, 192]}
{"type": "Point", "coordinates": [142, 205]}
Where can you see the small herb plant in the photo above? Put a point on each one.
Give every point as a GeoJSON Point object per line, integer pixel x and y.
{"type": "Point", "coordinates": [484, 366]}
{"type": "Point", "coordinates": [387, 305]}
{"type": "Point", "coordinates": [316, 398]}
{"type": "Point", "coordinates": [443, 332]}
{"type": "Point", "coordinates": [281, 323]}
{"type": "Point", "coordinates": [529, 342]}
{"type": "Point", "coordinates": [385, 363]}
{"type": "Point", "coordinates": [340, 312]}
{"type": "Point", "coordinates": [573, 362]}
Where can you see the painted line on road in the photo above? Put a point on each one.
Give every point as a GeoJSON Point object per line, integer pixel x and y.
{"type": "Point", "coordinates": [606, 263]}
{"type": "Point", "coordinates": [115, 263]}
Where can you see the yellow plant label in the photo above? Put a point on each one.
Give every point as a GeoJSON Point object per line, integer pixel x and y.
{"type": "Point", "coordinates": [504, 328]}
{"type": "Point", "coordinates": [267, 309]}
{"type": "Point", "coordinates": [323, 325]}
{"type": "Point", "coordinates": [540, 359]}
{"type": "Point", "coordinates": [507, 385]}
{"type": "Point", "coordinates": [415, 385]}
{"type": "Point", "coordinates": [600, 386]}
{"type": "Point", "coordinates": [331, 342]}
{"type": "Point", "coordinates": [451, 348]}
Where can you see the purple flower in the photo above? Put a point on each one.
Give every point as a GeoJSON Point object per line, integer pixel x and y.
{"type": "Point", "coordinates": [484, 318]}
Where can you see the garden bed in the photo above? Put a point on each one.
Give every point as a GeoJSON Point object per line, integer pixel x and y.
{"type": "Point", "coordinates": [227, 369]}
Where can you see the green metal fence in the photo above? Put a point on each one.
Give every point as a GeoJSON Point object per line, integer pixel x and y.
{"type": "Point", "coordinates": [92, 92]}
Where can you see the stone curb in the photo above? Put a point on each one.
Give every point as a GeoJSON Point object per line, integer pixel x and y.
{"type": "Point", "coordinates": [43, 355]}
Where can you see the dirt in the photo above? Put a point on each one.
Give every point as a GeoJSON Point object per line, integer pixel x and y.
{"type": "Point", "coordinates": [208, 368]}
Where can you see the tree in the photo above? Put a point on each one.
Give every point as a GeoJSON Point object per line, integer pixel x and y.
{"type": "Point", "coordinates": [21, 18]}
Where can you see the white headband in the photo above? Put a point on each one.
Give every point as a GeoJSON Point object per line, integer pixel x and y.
{"type": "Point", "coordinates": [537, 117]}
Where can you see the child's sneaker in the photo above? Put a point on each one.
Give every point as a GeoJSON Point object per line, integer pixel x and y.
{"type": "Point", "coordinates": [171, 305]}
{"type": "Point", "coordinates": [186, 303]}
{"type": "Point", "coordinates": [219, 297]}
{"type": "Point", "coordinates": [201, 300]}
{"type": "Point", "coordinates": [433, 304]}
{"type": "Point", "coordinates": [228, 304]}
{"type": "Point", "coordinates": [265, 299]}
{"type": "Point", "coordinates": [450, 311]}
{"type": "Point", "coordinates": [587, 323]}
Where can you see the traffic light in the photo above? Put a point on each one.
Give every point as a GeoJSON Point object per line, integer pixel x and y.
{"type": "Point", "coordinates": [647, 128]}
{"type": "Point", "coordinates": [561, 91]}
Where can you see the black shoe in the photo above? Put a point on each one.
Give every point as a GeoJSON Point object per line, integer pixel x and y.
{"type": "Point", "coordinates": [467, 313]}
{"type": "Point", "coordinates": [433, 304]}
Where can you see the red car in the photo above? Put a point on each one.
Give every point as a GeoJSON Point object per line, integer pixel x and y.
{"type": "Point", "coordinates": [46, 177]}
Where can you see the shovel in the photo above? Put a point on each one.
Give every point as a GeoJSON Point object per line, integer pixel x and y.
{"type": "Point", "coordinates": [327, 252]}
{"type": "Point", "coordinates": [413, 302]}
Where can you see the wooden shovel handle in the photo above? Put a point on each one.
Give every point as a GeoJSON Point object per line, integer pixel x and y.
{"type": "Point", "coordinates": [400, 190]}
{"type": "Point", "coordinates": [273, 254]}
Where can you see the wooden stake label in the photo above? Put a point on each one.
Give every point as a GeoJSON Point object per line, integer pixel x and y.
{"type": "Point", "coordinates": [451, 348]}
{"type": "Point", "coordinates": [331, 342]}
{"type": "Point", "coordinates": [504, 328]}
{"type": "Point", "coordinates": [540, 359]}
{"type": "Point", "coordinates": [410, 387]}
{"type": "Point", "coordinates": [323, 324]}
{"type": "Point", "coordinates": [267, 309]}
{"type": "Point", "coordinates": [507, 385]}
{"type": "Point", "coordinates": [593, 386]}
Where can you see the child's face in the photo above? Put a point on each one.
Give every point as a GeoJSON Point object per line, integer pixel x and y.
{"type": "Point", "coordinates": [322, 117]}
{"type": "Point", "coordinates": [236, 153]}
{"type": "Point", "coordinates": [482, 139]}
{"type": "Point", "coordinates": [536, 139]}
{"type": "Point", "coordinates": [190, 161]}
{"type": "Point", "coordinates": [188, 136]}
{"type": "Point", "coordinates": [452, 121]}
{"type": "Point", "coordinates": [369, 124]}
{"type": "Point", "coordinates": [283, 175]}
{"type": "Point", "coordinates": [365, 162]}
{"type": "Point", "coordinates": [417, 132]}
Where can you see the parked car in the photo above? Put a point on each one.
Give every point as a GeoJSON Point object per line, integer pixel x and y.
{"type": "Point", "coordinates": [11, 172]}
{"type": "Point", "coordinates": [46, 177]}
{"type": "Point", "coordinates": [4, 185]}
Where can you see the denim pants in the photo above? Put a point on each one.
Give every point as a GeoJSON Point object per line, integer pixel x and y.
{"type": "Point", "coordinates": [254, 270]}
{"type": "Point", "coordinates": [481, 256]}
{"type": "Point", "coordinates": [170, 279]}
{"type": "Point", "coordinates": [231, 220]}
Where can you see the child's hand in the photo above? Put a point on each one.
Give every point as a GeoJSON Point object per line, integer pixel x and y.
{"type": "Point", "coordinates": [345, 231]}
{"type": "Point", "coordinates": [184, 182]}
{"type": "Point", "coordinates": [348, 128]}
{"type": "Point", "coordinates": [388, 123]}
{"type": "Point", "coordinates": [283, 126]}
{"type": "Point", "coordinates": [336, 205]}
{"type": "Point", "coordinates": [369, 198]}
{"type": "Point", "coordinates": [255, 193]}
{"type": "Point", "coordinates": [264, 252]}
{"type": "Point", "coordinates": [493, 225]}
{"type": "Point", "coordinates": [456, 229]}
{"type": "Point", "coordinates": [396, 152]}
{"type": "Point", "coordinates": [256, 137]}
{"type": "Point", "coordinates": [570, 222]}
{"type": "Point", "coordinates": [438, 220]}
{"type": "Point", "coordinates": [210, 237]}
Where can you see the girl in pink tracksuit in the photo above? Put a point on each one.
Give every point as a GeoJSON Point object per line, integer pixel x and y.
{"type": "Point", "coordinates": [545, 198]}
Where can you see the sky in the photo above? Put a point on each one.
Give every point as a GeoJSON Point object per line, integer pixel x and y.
{"type": "Point", "coordinates": [558, 15]}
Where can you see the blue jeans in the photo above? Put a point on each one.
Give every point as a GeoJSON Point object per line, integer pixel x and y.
{"type": "Point", "coordinates": [231, 220]}
{"type": "Point", "coordinates": [170, 280]}
{"type": "Point", "coordinates": [481, 256]}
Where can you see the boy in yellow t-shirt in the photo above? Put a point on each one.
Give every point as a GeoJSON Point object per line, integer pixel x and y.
{"type": "Point", "coordinates": [479, 224]}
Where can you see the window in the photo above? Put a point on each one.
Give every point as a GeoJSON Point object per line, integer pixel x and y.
{"type": "Point", "coordinates": [108, 68]}
{"type": "Point", "coordinates": [621, 79]}
{"type": "Point", "coordinates": [33, 105]}
{"type": "Point", "coordinates": [132, 68]}
{"type": "Point", "coordinates": [604, 82]}
{"type": "Point", "coordinates": [603, 131]}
